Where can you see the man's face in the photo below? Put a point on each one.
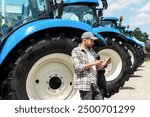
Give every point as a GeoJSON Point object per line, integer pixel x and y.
{"type": "Point", "coordinates": [89, 43]}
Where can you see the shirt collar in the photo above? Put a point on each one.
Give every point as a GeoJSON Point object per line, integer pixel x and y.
{"type": "Point", "coordinates": [83, 49]}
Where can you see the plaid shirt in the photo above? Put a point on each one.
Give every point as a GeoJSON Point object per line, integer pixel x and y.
{"type": "Point", "coordinates": [82, 78]}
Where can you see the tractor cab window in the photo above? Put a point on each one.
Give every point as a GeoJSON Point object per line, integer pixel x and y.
{"type": "Point", "coordinates": [14, 13]}
{"type": "Point", "coordinates": [108, 24]}
{"type": "Point", "coordinates": [81, 13]}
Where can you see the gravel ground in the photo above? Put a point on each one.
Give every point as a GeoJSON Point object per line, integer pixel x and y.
{"type": "Point", "coordinates": [138, 86]}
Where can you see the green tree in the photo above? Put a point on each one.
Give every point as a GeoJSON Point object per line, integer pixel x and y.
{"type": "Point", "coordinates": [142, 36]}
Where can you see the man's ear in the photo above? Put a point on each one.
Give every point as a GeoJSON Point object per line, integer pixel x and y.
{"type": "Point", "coordinates": [82, 40]}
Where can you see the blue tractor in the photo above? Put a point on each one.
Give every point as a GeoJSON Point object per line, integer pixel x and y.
{"type": "Point", "coordinates": [86, 11]}
{"type": "Point", "coordinates": [134, 46]}
{"type": "Point", "coordinates": [137, 45]}
{"type": "Point", "coordinates": [35, 50]}
{"type": "Point", "coordinates": [112, 22]}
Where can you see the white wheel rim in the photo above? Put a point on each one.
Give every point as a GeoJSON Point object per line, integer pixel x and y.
{"type": "Point", "coordinates": [132, 56]}
{"type": "Point", "coordinates": [47, 70]}
{"type": "Point", "coordinates": [115, 67]}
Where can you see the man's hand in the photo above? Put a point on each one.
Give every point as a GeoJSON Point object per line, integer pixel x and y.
{"type": "Point", "coordinates": [98, 62]}
{"type": "Point", "coordinates": [103, 64]}
{"type": "Point", "coordinates": [108, 60]}
{"type": "Point", "coordinates": [88, 66]}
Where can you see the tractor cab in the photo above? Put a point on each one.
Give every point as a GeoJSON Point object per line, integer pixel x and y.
{"type": "Point", "coordinates": [87, 11]}
{"type": "Point", "coordinates": [19, 12]}
{"type": "Point", "coordinates": [109, 22]}
{"type": "Point", "coordinates": [80, 10]}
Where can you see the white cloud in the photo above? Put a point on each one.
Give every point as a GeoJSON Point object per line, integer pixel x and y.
{"type": "Point", "coordinates": [145, 8]}
{"type": "Point", "coordinates": [140, 19]}
{"type": "Point", "coordinates": [117, 5]}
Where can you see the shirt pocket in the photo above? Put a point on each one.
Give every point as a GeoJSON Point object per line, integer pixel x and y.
{"type": "Point", "coordinates": [84, 58]}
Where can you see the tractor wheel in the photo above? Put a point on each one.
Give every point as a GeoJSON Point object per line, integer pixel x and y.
{"type": "Point", "coordinates": [142, 56]}
{"type": "Point", "coordinates": [139, 56]}
{"type": "Point", "coordinates": [43, 72]}
{"type": "Point", "coordinates": [115, 72]}
{"type": "Point", "coordinates": [133, 57]}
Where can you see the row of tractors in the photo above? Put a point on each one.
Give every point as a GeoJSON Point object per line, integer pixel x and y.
{"type": "Point", "coordinates": [36, 43]}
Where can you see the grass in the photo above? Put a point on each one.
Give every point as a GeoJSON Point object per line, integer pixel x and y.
{"type": "Point", "coordinates": [147, 60]}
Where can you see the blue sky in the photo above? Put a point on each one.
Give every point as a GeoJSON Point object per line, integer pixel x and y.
{"type": "Point", "coordinates": [136, 13]}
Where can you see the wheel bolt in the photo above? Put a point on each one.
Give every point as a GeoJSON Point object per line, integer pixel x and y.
{"type": "Point", "coordinates": [37, 81]}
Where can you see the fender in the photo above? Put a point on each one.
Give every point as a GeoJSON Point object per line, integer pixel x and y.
{"type": "Point", "coordinates": [26, 30]}
{"type": "Point", "coordinates": [110, 30]}
{"type": "Point", "coordinates": [140, 43]}
{"type": "Point", "coordinates": [133, 39]}
{"type": "Point", "coordinates": [101, 41]}
{"type": "Point", "coordinates": [22, 32]}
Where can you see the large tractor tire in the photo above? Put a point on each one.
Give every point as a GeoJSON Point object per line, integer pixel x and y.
{"type": "Point", "coordinates": [133, 58]}
{"type": "Point", "coordinates": [43, 72]}
{"type": "Point", "coordinates": [116, 71]}
{"type": "Point", "coordinates": [142, 55]}
{"type": "Point", "coordinates": [139, 56]}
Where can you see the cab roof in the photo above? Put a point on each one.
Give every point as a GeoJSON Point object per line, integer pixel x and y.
{"type": "Point", "coordinates": [109, 19]}
{"type": "Point", "coordinates": [81, 1]}
{"type": "Point", "coordinates": [123, 27]}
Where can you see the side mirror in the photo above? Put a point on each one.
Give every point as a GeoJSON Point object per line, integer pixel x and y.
{"type": "Point", "coordinates": [121, 19]}
{"type": "Point", "coordinates": [100, 12]}
{"type": "Point", "coordinates": [105, 4]}
{"type": "Point", "coordinates": [120, 22]}
{"type": "Point", "coordinates": [128, 26]}
{"type": "Point", "coordinates": [25, 10]}
{"type": "Point", "coordinates": [59, 6]}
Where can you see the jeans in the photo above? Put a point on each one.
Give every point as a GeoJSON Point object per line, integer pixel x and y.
{"type": "Point", "coordinates": [93, 94]}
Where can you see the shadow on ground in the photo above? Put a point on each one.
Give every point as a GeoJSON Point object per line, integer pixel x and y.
{"type": "Point", "coordinates": [142, 66]}
{"type": "Point", "coordinates": [136, 76]}
{"type": "Point", "coordinates": [127, 88]}
{"type": "Point", "coordinates": [139, 69]}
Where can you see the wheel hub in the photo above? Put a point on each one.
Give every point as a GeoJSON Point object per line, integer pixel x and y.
{"type": "Point", "coordinates": [55, 83]}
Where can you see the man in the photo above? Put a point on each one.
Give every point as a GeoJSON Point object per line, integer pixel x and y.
{"type": "Point", "coordinates": [85, 65]}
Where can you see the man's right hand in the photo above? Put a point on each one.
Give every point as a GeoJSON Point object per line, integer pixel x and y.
{"type": "Point", "coordinates": [98, 62]}
{"type": "Point", "coordinates": [108, 60]}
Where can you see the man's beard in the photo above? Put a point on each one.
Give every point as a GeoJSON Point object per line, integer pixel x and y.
{"type": "Point", "coordinates": [89, 47]}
